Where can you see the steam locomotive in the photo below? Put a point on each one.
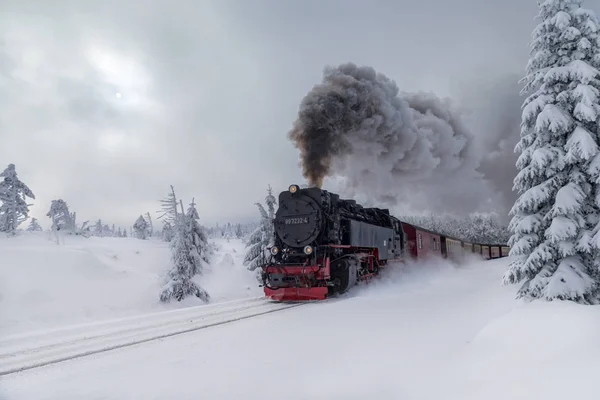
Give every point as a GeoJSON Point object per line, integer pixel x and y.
{"type": "Point", "coordinates": [324, 245]}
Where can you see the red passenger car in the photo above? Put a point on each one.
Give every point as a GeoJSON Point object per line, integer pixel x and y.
{"type": "Point", "coordinates": [421, 242]}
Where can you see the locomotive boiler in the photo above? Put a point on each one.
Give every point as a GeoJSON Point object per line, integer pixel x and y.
{"type": "Point", "coordinates": [324, 245]}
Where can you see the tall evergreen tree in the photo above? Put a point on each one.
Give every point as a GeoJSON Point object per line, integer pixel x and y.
{"type": "Point", "coordinates": [150, 226]}
{"type": "Point", "coordinates": [264, 236]}
{"type": "Point", "coordinates": [141, 228]}
{"type": "Point", "coordinates": [187, 248]}
{"type": "Point", "coordinates": [556, 213]}
{"type": "Point", "coordinates": [168, 211]}
{"type": "Point", "coordinates": [60, 216]}
{"type": "Point", "coordinates": [13, 207]}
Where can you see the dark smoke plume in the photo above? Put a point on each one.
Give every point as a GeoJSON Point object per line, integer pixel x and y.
{"type": "Point", "coordinates": [411, 148]}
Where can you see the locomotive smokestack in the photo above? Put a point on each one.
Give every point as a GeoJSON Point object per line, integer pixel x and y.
{"type": "Point", "coordinates": [409, 147]}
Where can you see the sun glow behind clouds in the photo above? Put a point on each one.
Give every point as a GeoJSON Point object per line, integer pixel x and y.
{"type": "Point", "coordinates": [126, 85]}
{"type": "Point", "coordinates": [122, 72]}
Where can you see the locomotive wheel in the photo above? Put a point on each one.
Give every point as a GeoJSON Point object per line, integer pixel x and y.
{"type": "Point", "coordinates": [342, 272]}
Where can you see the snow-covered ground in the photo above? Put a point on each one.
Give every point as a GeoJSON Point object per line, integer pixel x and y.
{"type": "Point", "coordinates": [427, 331]}
{"type": "Point", "coordinates": [44, 285]}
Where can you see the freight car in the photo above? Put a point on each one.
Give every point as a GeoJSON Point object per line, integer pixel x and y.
{"type": "Point", "coordinates": [324, 245]}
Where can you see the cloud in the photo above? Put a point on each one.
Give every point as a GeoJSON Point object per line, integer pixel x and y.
{"type": "Point", "coordinates": [209, 89]}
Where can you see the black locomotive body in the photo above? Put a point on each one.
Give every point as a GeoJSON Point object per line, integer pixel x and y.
{"type": "Point", "coordinates": [324, 244]}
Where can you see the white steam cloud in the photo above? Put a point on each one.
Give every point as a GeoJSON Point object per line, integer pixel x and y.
{"type": "Point", "coordinates": [395, 148]}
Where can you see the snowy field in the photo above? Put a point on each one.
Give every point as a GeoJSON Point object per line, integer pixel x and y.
{"type": "Point", "coordinates": [44, 285]}
{"type": "Point", "coordinates": [429, 331]}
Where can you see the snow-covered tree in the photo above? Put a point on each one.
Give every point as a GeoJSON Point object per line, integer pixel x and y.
{"type": "Point", "coordinates": [150, 226]}
{"type": "Point", "coordinates": [34, 226]}
{"type": "Point", "coordinates": [168, 212]}
{"type": "Point", "coordinates": [187, 248]}
{"type": "Point", "coordinates": [141, 228]}
{"type": "Point", "coordinates": [13, 207]}
{"type": "Point", "coordinates": [167, 232]}
{"type": "Point", "coordinates": [556, 213]}
{"type": "Point", "coordinates": [264, 236]}
{"type": "Point", "coordinates": [228, 233]}
{"type": "Point", "coordinates": [98, 229]}
{"type": "Point", "coordinates": [107, 231]}
{"type": "Point", "coordinates": [60, 216]}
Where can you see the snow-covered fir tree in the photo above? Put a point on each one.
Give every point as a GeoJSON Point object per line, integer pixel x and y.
{"type": "Point", "coordinates": [556, 213]}
{"type": "Point", "coordinates": [60, 216]}
{"type": "Point", "coordinates": [34, 226]}
{"type": "Point", "coordinates": [98, 229]}
{"type": "Point", "coordinates": [150, 226]}
{"type": "Point", "coordinates": [107, 231]}
{"type": "Point", "coordinates": [228, 233]}
{"type": "Point", "coordinates": [13, 207]}
{"type": "Point", "coordinates": [141, 228]}
{"type": "Point", "coordinates": [168, 211]}
{"type": "Point", "coordinates": [167, 232]}
{"type": "Point", "coordinates": [264, 236]}
{"type": "Point", "coordinates": [187, 246]}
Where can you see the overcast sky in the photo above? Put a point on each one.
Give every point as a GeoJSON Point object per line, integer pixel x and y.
{"type": "Point", "coordinates": [106, 103]}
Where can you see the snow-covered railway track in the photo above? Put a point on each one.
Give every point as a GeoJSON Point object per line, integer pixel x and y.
{"type": "Point", "coordinates": [22, 352]}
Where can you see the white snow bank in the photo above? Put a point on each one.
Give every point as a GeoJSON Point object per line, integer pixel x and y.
{"type": "Point", "coordinates": [428, 331]}
{"type": "Point", "coordinates": [539, 350]}
{"type": "Point", "coordinates": [45, 285]}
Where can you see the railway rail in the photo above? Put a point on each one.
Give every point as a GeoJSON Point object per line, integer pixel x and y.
{"type": "Point", "coordinates": [37, 349]}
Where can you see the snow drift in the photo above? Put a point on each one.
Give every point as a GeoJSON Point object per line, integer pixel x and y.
{"type": "Point", "coordinates": [44, 285]}
{"type": "Point", "coordinates": [439, 332]}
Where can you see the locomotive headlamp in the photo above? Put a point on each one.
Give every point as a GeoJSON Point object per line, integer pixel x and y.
{"type": "Point", "coordinates": [308, 250]}
{"type": "Point", "coordinates": [274, 250]}
{"type": "Point", "coordinates": [294, 188]}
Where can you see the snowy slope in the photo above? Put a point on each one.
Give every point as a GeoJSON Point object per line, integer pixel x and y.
{"type": "Point", "coordinates": [430, 332]}
{"type": "Point", "coordinates": [45, 285]}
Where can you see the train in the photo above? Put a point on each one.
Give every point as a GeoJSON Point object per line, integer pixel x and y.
{"type": "Point", "coordinates": [324, 245]}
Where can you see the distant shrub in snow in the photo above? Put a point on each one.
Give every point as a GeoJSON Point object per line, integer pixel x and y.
{"type": "Point", "coordinates": [34, 226]}
{"type": "Point", "coordinates": [13, 207]}
{"type": "Point", "coordinates": [263, 237]}
{"type": "Point", "coordinates": [557, 212]}
{"type": "Point", "coordinates": [227, 260]}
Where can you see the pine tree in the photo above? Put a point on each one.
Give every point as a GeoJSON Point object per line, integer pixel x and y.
{"type": "Point", "coordinates": [167, 232]}
{"type": "Point", "coordinates": [99, 228]}
{"type": "Point", "coordinates": [13, 207]}
{"type": "Point", "coordinates": [187, 248]}
{"type": "Point", "coordinates": [60, 216]}
{"type": "Point", "coordinates": [150, 227]}
{"type": "Point", "coordinates": [141, 228]}
{"type": "Point", "coordinates": [106, 231]}
{"type": "Point", "coordinates": [34, 226]}
{"type": "Point", "coordinates": [168, 212]}
{"type": "Point", "coordinates": [555, 215]}
{"type": "Point", "coordinates": [263, 237]}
